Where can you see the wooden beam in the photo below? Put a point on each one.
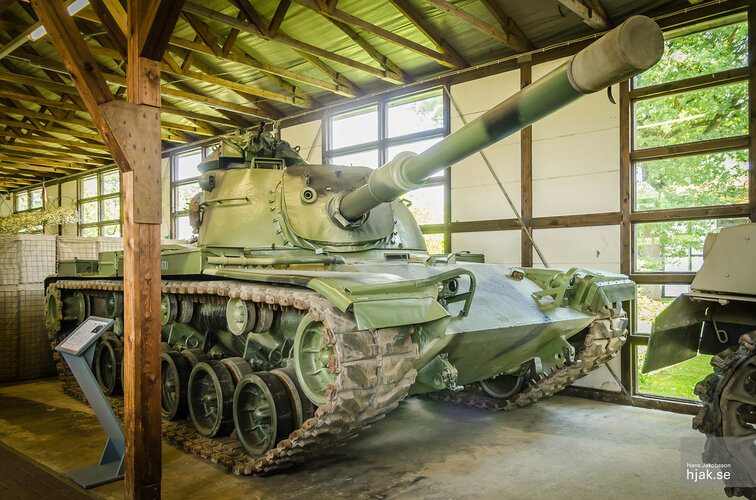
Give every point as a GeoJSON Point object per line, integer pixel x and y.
{"type": "Point", "coordinates": [377, 56]}
{"type": "Point", "coordinates": [430, 32]}
{"type": "Point", "coordinates": [34, 153]}
{"type": "Point", "coordinates": [590, 11]}
{"type": "Point", "coordinates": [23, 37]}
{"type": "Point", "coordinates": [526, 177]}
{"type": "Point", "coordinates": [356, 22]}
{"type": "Point", "coordinates": [281, 37]}
{"type": "Point", "coordinates": [506, 22]}
{"type": "Point", "coordinates": [160, 23]}
{"type": "Point", "coordinates": [53, 140]}
{"type": "Point", "coordinates": [121, 81]}
{"type": "Point", "coordinates": [509, 39]}
{"type": "Point", "coordinates": [239, 57]}
{"type": "Point", "coordinates": [138, 126]}
{"type": "Point", "coordinates": [278, 17]}
{"type": "Point", "coordinates": [40, 162]}
{"type": "Point", "coordinates": [28, 167]}
{"type": "Point", "coordinates": [82, 67]}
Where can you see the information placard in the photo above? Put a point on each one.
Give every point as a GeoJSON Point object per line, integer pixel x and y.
{"type": "Point", "coordinates": [84, 335]}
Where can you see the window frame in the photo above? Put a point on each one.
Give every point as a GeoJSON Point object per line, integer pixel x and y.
{"type": "Point", "coordinates": [632, 216]}
{"type": "Point", "coordinates": [100, 198]}
{"type": "Point", "coordinates": [384, 142]}
{"type": "Point", "coordinates": [176, 184]}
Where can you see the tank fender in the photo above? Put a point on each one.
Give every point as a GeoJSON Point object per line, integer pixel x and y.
{"type": "Point", "coordinates": [676, 333]}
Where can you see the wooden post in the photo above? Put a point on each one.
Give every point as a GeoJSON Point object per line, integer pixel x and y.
{"type": "Point", "coordinates": [132, 132]}
{"type": "Point", "coordinates": [526, 175]}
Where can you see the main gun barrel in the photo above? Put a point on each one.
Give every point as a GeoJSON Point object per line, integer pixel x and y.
{"type": "Point", "coordinates": [634, 46]}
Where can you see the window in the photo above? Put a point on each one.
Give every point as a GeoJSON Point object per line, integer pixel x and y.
{"type": "Point", "coordinates": [29, 200]}
{"type": "Point", "coordinates": [371, 136]}
{"type": "Point", "coordinates": [100, 204]}
{"type": "Point", "coordinates": [184, 185]}
{"type": "Point", "coordinates": [690, 167]}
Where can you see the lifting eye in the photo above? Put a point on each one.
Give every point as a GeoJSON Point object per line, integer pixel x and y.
{"type": "Point", "coordinates": [308, 195]}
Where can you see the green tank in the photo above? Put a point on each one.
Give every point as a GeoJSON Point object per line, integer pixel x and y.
{"type": "Point", "coordinates": [308, 307]}
{"type": "Point", "coordinates": [718, 317]}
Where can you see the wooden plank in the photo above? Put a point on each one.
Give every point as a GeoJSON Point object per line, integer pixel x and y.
{"type": "Point", "coordinates": [694, 148]}
{"type": "Point", "coordinates": [687, 84]}
{"type": "Point", "coordinates": [752, 121]}
{"type": "Point", "coordinates": [84, 71]}
{"type": "Point", "coordinates": [507, 38]}
{"type": "Point", "coordinates": [526, 177]}
{"type": "Point", "coordinates": [592, 13]}
{"type": "Point", "coordinates": [662, 278]}
{"type": "Point", "coordinates": [691, 213]}
{"type": "Point", "coordinates": [625, 181]}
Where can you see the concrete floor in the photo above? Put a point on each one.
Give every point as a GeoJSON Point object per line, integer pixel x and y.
{"type": "Point", "coordinates": [562, 448]}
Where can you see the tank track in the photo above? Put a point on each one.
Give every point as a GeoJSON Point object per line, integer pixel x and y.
{"type": "Point", "coordinates": [605, 338]}
{"type": "Point", "coordinates": [709, 418]}
{"type": "Point", "coordinates": [373, 372]}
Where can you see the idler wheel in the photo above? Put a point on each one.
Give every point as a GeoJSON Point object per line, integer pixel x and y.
{"type": "Point", "coordinates": [194, 356]}
{"type": "Point", "coordinates": [211, 398]}
{"type": "Point", "coordinates": [168, 308]}
{"type": "Point", "coordinates": [239, 367]}
{"type": "Point", "coordinates": [262, 413]}
{"type": "Point", "coordinates": [165, 347]}
{"type": "Point", "coordinates": [240, 316]}
{"type": "Point", "coordinates": [114, 304]}
{"type": "Point", "coordinates": [174, 379]}
{"type": "Point", "coordinates": [107, 362]}
{"type": "Point", "coordinates": [301, 407]}
{"type": "Point", "coordinates": [311, 355]}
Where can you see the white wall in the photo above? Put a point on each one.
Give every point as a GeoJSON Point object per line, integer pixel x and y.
{"type": "Point", "coordinates": [68, 197]}
{"type": "Point", "coordinates": [53, 196]}
{"type": "Point", "coordinates": [471, 180]}
{"type": "Point", "coordinates": [575, 171]}
{"type": "Point", "coordinates": [308, 136]}
{"type": "Point", "coordinates": [6, 205]}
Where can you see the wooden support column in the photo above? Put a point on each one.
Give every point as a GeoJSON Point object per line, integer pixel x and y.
{"type": "Point", "coordinates": [131, 131]}
{"type": "Point", "coordinates": [526, 175]}
{"type": "Point", "coordinates": [752, 130]}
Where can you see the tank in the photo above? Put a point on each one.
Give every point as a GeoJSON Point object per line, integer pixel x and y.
{"type": "Point", "coordinates": [718, 317]}
{"type": "Point", "coordinates": [308, 307]}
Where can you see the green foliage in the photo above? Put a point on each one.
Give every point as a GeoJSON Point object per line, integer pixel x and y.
{"type": "Point", "coordinates": [677, 380]}
{"type": "Point", "coordinates": [693, 55]}
{"type": "Point", "coordinates": [692, 181]}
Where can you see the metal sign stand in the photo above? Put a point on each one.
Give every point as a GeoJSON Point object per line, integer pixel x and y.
{"type": "Point", "coordinates": [78, 351]}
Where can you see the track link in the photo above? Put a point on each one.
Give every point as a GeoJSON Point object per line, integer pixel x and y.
{"type": "Point", "coordinates": [373, 372]}
{"type": "Point", "coordinates": [605, 338]}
